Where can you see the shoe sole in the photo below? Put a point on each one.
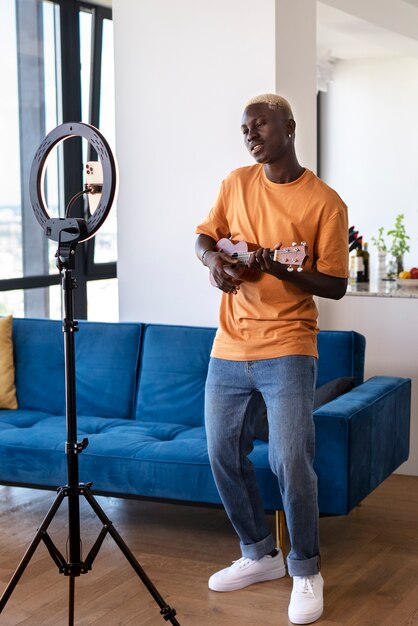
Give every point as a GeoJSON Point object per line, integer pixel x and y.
{"type": "Point", "coordinates": [251, 580]}
{"type": "Point", "coordinates": [306, 619]}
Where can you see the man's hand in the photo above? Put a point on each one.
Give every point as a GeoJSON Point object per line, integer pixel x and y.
{"type": "Point", "coordinates": [316, 283]}
{"type": "Point", "coordinates": [218, 263]}
{"type": "Point", "coordinates": [261, 260]}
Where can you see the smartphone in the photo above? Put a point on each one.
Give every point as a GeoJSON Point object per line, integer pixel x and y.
{"type": "Point", "coordinates": [94, 182]}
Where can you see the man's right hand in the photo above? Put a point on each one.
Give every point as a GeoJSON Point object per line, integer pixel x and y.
{"type": "Point", "coordinates": [219, 263]}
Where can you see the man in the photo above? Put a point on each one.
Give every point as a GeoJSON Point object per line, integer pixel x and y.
{"type": "Point", "coordinates": [266, 344]}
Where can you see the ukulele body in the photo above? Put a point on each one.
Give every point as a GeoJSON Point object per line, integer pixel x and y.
{"type": "Point", "coordinates": [234, 249]}
{"type": "Point", "coordinates": [292, 256]}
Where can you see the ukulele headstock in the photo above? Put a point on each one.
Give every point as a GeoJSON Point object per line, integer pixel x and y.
{"type": "Point", "coordinates": [293, 256]}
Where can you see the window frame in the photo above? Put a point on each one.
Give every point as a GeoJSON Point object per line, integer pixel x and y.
{"type": "Point", "coordinates": [86, 269]}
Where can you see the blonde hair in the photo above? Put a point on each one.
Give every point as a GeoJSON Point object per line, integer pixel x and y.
{"type": "Point", "coordinates": [273, 101]}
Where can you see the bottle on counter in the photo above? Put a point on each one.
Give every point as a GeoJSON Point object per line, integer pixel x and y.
{"type": "Point", "coordinates": [366, 263]}
{"type": "Point", "coordinates": [359, 262]}
{"type": "Point", "coordinates": [352, 268]}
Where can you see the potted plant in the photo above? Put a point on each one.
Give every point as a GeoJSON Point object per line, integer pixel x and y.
{"type": "Point", "coordinates": [381, 248]}
{"type": "Point", "coordinates": [379, 242]}
{"type": "Point", "coordinates": [400, 243]}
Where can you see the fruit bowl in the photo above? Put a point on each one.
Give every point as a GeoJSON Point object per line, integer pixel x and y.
{"type": "Point", "coordinates": [407, 282]}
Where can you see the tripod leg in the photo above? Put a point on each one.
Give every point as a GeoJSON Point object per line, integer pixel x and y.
{"type": "Point", "coordinates": [166, 611]}
{"type": "Point", "coordinates": [71, 596]}
{"type": "Point", "coordinates": [30, 550]}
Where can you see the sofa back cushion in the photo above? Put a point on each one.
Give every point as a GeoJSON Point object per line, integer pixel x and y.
{"type": "Point", "coordinates": [341, 354]}
{"type": "Point", "coordinates": [106, 358]}
{"type": "Point", "coordinates": [174, 365]}
{"type": "Point", "coordinates": [107, 367]}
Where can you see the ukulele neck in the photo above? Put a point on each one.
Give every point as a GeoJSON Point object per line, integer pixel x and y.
{"type": "Point", "coordinates": [275, 255]}
{"type": "Point", "coordinates": [243, 257]}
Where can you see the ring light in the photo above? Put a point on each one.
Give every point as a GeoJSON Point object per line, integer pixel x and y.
{"type": "Point", "coordinates": [86, 228]}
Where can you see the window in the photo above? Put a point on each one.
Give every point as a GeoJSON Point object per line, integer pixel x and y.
{"type": "Point", "coordinates": [59, 69]}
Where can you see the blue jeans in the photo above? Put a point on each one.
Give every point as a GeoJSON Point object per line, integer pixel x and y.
{"type": "Point", "coordinates": [286, 384]}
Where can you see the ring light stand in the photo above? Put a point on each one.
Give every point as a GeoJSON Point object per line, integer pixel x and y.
{"type": "Point", "coordinates": [68, 232]}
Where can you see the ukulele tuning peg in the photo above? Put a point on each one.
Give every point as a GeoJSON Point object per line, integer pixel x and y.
{"type": "Point", "coordinates": [303, 243]}
{"type": "Point", "coordinates": [294, 243]}
{"type": "Point", "coordinates": [289, 268]}
{"type": "Point", "coordinates": [300, 269]}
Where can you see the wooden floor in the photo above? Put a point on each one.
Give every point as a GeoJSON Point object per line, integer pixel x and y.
{"type": "Point", "coordinates": [369, 563]}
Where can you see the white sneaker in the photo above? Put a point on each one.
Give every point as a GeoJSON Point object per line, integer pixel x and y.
{"type": "Point", "coordinates": [246, 571]}
{"type": "Point", "coordinates": [306, 602]}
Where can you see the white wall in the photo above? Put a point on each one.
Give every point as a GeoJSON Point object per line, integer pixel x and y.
{"type": "Point", "coordinates": [184, 71]}
{"type": "Point", "coordinates": [370, 143]}
{"type": "Point", "coordinates": [180, 88]}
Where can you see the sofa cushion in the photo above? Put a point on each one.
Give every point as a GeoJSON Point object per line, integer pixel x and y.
{"type": "Point", "coordinates": [174, 365]}
{"type": "Point", "coordinates": [106, 359]}
{"type": "Point", "coordinates": [7, 368]}
{"type": "Point", "coordinates": [126, 457]}
{"type": "Point", "coordinates": [39, 364]}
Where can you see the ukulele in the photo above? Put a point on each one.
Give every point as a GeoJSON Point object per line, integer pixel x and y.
{"type": "Point", "coordinates": [293, 256]}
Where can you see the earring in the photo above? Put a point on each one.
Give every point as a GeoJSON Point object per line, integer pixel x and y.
{"type": "Point", "coordinates": [290, 136]}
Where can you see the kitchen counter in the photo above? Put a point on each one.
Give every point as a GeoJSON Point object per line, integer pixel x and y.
{"type": "Point", "coordinates": [382, 288]}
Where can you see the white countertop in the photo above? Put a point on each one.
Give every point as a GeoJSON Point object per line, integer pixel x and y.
{"type": "Point", "coordinates": [382, 288]}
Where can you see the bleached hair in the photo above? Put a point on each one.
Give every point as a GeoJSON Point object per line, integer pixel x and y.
{"type": "Point", "coordinates": [273, 101]}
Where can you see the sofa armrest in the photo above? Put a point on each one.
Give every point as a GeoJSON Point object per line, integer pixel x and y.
{"type": "Point", "coordinates": [361, 438]}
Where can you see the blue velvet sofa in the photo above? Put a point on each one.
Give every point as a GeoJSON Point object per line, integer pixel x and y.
{"type": "Point", "coordinates": [140, 403]}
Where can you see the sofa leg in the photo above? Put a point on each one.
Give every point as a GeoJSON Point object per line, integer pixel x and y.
{"type": "Point", "coordinates": [281, 531]}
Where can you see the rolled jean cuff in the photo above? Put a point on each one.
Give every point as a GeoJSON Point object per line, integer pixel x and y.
{"type": "Point", "coordinates": [304, 567]}
{"type": "Point", "coordinates": [256, 551]}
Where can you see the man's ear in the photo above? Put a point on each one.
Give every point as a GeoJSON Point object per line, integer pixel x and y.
{"type": "Point", "coordinates": [291, 126]}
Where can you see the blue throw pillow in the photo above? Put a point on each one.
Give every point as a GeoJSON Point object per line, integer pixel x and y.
{"type": "Point", "coordinates": [332, 389]}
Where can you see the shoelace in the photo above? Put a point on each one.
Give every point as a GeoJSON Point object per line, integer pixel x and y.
{"type": "Point", "coordinates": [304, 584]}
{"type": "Point", "coordinates": [242, 562]}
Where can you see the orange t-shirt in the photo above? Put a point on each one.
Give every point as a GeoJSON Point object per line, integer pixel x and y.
{"type": "Point", "coordinates": [270, 317]}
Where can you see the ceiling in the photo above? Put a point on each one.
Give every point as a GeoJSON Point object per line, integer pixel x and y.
{"type": "Point", "coordinates": [344, 36]}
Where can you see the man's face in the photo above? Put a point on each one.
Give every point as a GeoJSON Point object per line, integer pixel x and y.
{"type": "Point", "coordinates": [266, 132]}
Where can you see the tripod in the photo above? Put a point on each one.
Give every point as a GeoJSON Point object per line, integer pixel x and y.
{"type": "Point", "coordinates": [68, 237]}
